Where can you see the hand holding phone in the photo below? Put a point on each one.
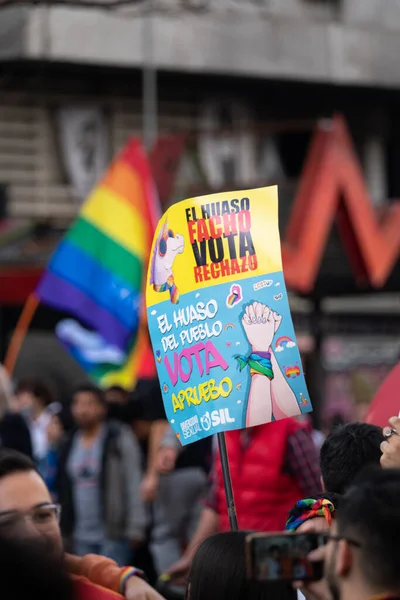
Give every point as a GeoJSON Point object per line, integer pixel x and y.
{"type": "Point", "coordinates": [318, 590]}
{"type": "Point", "coordinates": [283, 557]}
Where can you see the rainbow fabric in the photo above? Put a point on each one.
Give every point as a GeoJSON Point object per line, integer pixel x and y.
{"type": "Point", "coordinates": [169, 285]}
{"type": "Point", "coordinates": [259, 363]}
{"type": "Point", "coordinates": [308, 509]}
{"type": "Point", "coordinates": [96, 274]}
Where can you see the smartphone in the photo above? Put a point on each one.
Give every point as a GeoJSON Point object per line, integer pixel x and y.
{"type": "Point", "coordinates": [283, 556]}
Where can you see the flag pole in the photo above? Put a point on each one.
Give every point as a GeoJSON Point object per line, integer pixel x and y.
{"type": "Point", "coordinates": [230, 500]}
{"type": "Point", "coordinates": [149, 98]}
{"type": "Point", "coordinates": [19, 334]}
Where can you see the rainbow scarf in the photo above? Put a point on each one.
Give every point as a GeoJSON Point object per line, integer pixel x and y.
{"type": "Point", "coordinates": [308, 509]}
{"type": "Point", "coordinates": [169, 285]}
{"type": "Point", "coordinates": [259, 363]}
{"type": "Point", "coordinates": [97, 272]}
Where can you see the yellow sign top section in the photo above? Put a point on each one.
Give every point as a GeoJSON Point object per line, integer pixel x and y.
{"type": "Point", "coordinates": [214, 239]}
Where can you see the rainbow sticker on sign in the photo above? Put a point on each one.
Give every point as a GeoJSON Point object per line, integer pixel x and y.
{"type": "Point", "coordinates": [214, 316]}
{"type": "Point", "coordinates": [284, 342]}
{"type": "Point", "coordinates": [292, 371]}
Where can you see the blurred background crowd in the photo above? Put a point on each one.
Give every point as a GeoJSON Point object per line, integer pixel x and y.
{"type": "Point", "coordinates": [126, 487]}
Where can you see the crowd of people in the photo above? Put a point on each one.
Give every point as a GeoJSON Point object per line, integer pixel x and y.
{"type": "Point", "coordinates": [96, 493]}
{"type": "Point", "coordinates": [104, 460]}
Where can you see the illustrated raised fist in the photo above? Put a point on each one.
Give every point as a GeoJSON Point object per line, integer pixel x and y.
{"type": "Point", "coordinates": [260, 324]}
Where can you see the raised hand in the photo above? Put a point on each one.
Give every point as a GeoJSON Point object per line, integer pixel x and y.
{"type": "Point", "coordinates": [260, 324]}
{"type": "Point", "coordinates": [277, 320]}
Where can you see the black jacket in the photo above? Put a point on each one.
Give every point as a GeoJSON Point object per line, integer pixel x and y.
{"type": "Point", "coordinates": [14, 434]}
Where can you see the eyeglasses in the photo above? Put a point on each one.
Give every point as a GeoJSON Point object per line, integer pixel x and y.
{"type": "Point", "coordinates": [328, 537]}
{"type": "Point", "coordinates": [42, 517]}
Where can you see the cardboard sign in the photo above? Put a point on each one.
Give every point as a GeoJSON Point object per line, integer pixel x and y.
{"type": "Point", "coordinates": [219, 317]}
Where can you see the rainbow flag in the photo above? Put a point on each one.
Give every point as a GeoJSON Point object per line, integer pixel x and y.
{"type": "Point", "coordinates": [97, 272]}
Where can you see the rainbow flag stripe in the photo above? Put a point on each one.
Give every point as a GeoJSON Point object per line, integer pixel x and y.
{"type": "Point", "coordinates": [96, 274]}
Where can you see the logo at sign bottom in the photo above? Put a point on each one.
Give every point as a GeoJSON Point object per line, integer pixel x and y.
{"type": "Point", "coordinates": [215, 418]}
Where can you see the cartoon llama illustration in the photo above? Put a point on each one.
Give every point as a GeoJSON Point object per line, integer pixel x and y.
{"type": "Point", "coordinates": [166, 249]}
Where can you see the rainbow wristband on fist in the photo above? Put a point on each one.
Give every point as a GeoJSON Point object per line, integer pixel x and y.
{"type": "Point", "coordinates": [127, 573]}
{"type": "Point", "coordinates": [259, 363]}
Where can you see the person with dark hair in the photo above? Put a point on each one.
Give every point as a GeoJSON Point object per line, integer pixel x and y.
{"type": "Point", "coordinates": [99, 481]}
{"type": "Point", "coordinates": [33, 399]}
{"type": "Point", "coordinates": [32, 392]}
{"type": "Point", "coordinates": [218, 572]}
{"type": "Point", "coordinates": [127, 407]}
{"type": "Point", "coordinates": [90, 388]}
{"type": "Point", "coordinates": [28, 514]}
{"type": "Point", "coordinates": [361, 557]}
{"type": "Point", "coordinates": [116, 394]}
{"type": "Point", "coordinates": [36, 576]}
{"type": "Point", "coordinates": [346, 451]}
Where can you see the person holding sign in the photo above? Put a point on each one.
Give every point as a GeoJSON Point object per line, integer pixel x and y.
{"type": "Point", "coordinates": [272, 466]}
{"type": "Point", "coordinates": [227, 357]}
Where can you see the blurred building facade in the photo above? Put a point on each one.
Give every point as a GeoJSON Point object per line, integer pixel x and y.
{"type": "Point", "coordinates": [263, 60]}
{"type": "Point", "coordinates": [332, 41]}
{"type": "Point", "coordinates": [245, 81]}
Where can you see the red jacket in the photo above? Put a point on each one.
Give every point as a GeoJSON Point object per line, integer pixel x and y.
{"type": "Point", "coordinates": [86, 590]}
{"type": "Point", "coordinates": [263, 492]}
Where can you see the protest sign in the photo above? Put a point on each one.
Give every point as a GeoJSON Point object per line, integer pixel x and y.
{"type": "Point", "coordinates": [219, 316]}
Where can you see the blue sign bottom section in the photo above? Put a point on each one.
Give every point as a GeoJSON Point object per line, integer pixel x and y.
{"type": "Point", "coordinates": [227, 357]}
